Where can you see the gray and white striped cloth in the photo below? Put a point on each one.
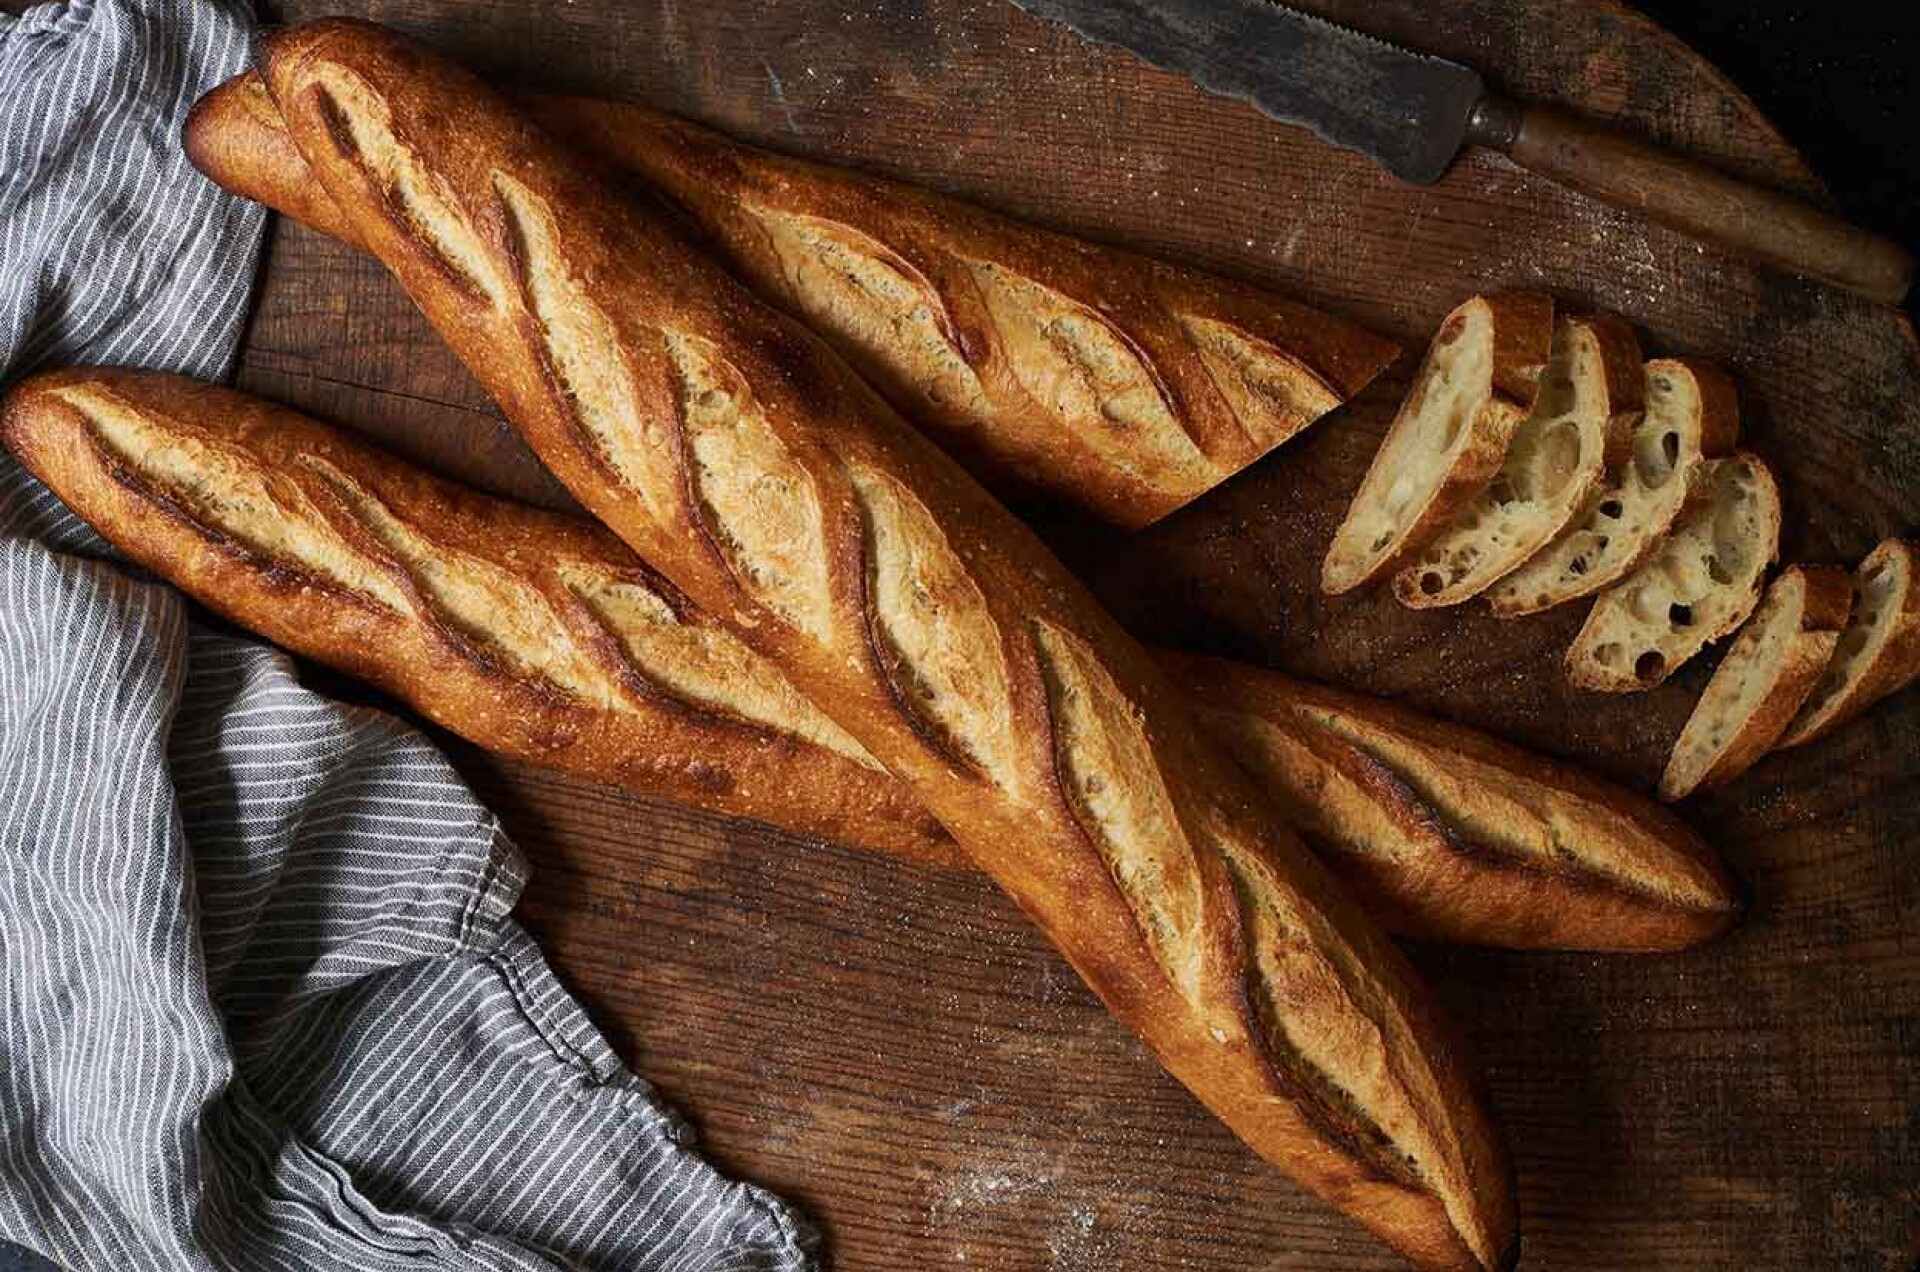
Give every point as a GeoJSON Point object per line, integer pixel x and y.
{"type": "Point", "coordinates": [263, 1004]}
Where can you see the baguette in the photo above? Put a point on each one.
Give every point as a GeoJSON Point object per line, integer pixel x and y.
{"type": "Point", "coordinates": [170, 469]}
{"type": "Point", "coordinates": [1692, 415]}
{"type": "Point", "coordinates": [1762, 682]}
{"type": "Point", "coordinates": [1118, 383]}
{"type": "Point", "coordinates": [1449, 834]}
{"type": "Point", "coordinates": [735, 453]}
{"type": "Point", "coordinates": [1878, 654]}
{"type": "Point", "coordinates": [536, 635]}
{"type": "Point", "coordinates": [1480, 379]}
{"type": "Point", "coordinates": [1700, 584]}
{"type": "Point", "coordinates": [1579, 433]}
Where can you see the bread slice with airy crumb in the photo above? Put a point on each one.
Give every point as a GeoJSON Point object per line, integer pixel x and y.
{"type": "Point", "coordinates": [1761, 683]}
{"type": "Point", "coordinates": [1699, 584]}
{"type": "Point", "coordinates": [1879, 652]}
{"type": "Point", "coordinates": [1579, 432]}
{"type": "Point", "coordinates": [1692, 414]}
{"type": "Point", "coordinates": [1479, 380]}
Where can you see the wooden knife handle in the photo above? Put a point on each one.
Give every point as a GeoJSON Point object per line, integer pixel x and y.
{"type": "Point", "coordinates": [1685, 195]}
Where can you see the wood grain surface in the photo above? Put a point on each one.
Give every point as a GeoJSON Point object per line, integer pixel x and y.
{"type": "Point", "coordinates": [898, 1051]}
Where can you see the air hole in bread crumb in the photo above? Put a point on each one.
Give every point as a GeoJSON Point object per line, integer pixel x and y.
{"type": "Point", "coordinates": [1431, 583]}
{"type": "Point", "coordinates": [1607, 655]}
{"type": "Point", "coordinates": [1680, 615]}
{"type": "Point", "coordinates": [1611, 509]}
{"type": "Point", "coordinates": [1717, 570]}
{"type": "Point", "coordinates": [1649, 665]}
{"type": "Point", "coordinates": [1670, 447]}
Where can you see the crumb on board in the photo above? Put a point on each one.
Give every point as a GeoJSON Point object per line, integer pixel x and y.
{"type": "Point", "coordinates": [1082, 1232]}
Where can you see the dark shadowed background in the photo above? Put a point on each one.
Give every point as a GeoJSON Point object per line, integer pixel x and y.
{"type": "Point", "coordinates": [1835, 79]}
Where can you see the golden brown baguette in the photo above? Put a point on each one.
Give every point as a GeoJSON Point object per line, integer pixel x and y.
{"type": "Point", "coordinates": [1392, 802]}
{"type": "Point", "coordinates": [1760, 685]}
{"type": "Point", "coordinates": [1122, 384]}
{"type": "Point", "coordinates": [536, 635]}
{"type": "Point", "coordinates": [734, 452]}
{"type": "Point", "coordinates": [1446, 832]}
{"type": "Point", "coordinates": [1479, 380]}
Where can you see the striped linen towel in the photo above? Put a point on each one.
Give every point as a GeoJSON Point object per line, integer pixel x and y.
{"type": "Point", "coordinates": [262, 1005]}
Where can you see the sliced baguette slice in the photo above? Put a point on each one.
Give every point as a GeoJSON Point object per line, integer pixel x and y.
{"type": "Point", "coordinates": [1579, 433]}
{"type": "Point", "coordinates": [1692, 414]}
{"type": "Point", "coordinates": [1478, 382]}
{"type": "Point", "coordinates": [1699, 584]}
{"type": "Point", "coordinates": [1762, 682]}
{"type": "Point", "coordinates": [1879, 653]}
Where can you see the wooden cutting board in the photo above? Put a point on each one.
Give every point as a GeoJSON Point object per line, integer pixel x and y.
{"type": "Point", "coordinates": [897, 1051]}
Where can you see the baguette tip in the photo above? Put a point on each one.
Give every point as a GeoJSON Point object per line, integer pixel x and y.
{"type": "Point", "coordinates": [194, 129]}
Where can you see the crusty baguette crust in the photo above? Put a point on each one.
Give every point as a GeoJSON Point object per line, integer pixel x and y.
{"type": "Point", "coordinates": [1888, 669]}
{"type": "Point", "coordinates": [234, 134]}
{"type": "Point", "coordinates": [1122, 384]}
{"type": "Point", "coordinates": [743, 460]}
{"type": "Point", "coordinates": [650, 735]}
{"type": "Point", "coordinates": [1591, 553]}
{"type": "Point", "coordinates": [1492, 840]}
{"type": "Point", "coordinates": [1598, 411]}
{"type": "Point", "coordinates": [1820, 597]}
{"type": "Point", "coordinates": [1380, 834]}
{"type": "Point", "coordinates": [1520, 326]}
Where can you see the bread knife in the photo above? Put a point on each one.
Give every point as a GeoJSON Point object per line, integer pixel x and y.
{"type": "Point", "coordinates": [1412, 113]}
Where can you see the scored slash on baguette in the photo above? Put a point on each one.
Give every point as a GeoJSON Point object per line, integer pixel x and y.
{"type": "Point", "coordinates": [1700, 583]}
{"type": "Point", "coordinates": [1579, 432]}
{"type": "Point", "coordinates": [1448, 439]}
{"type": "Point", "coordinates": [1120, 383]}
{"type": "Point", "coordinates": [1761, 683]}
{"type": "Point", "coordinates": [1691, 415]}
{"type": "Point", "coordinates": [1878, 653]}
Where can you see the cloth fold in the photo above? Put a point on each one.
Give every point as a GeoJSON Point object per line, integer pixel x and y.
{"type": "Point", "coordinates": [262, 1001]}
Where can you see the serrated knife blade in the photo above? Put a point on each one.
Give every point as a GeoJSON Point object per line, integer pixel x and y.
{"type": "Point", "coordinates": [1413, 113]}
{"type": "Point", "coordinates": [1406, 111]}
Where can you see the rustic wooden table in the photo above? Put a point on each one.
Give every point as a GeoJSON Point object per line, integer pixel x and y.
{"type": "Point", "coordinates": [897, 1051]}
